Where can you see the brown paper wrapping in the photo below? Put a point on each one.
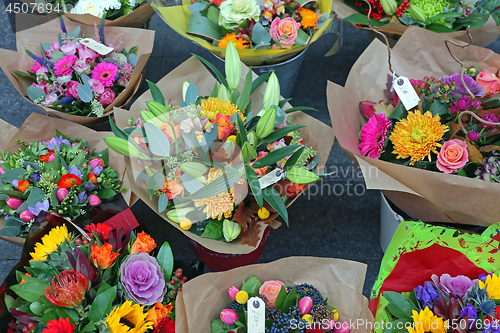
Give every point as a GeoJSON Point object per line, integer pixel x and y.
{"type": "Point", "coordinates": [194, 71]}
{"type": "Point", "coordinates": [482, 36]}
{"type": "Point", "coordinates": [38, 127]}
{"type": "Point", "coordinates": [47, 33]}
{"type": "Point", "coordinates": [202, 299]}
{"type": "Point", "coordinates": [427, 195]}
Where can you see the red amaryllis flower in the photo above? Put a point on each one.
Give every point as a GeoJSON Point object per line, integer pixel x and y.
{"type": "Point", "coordinates": [67, 289]}
{"type": "Point", "coordinates": [102, 230]}
{"type": "Point", "coordinates": [166, 325]}
{"type": "Point", "coordinates": [69, 181]}
{"type": "Point", "coordinates": [59, 326]}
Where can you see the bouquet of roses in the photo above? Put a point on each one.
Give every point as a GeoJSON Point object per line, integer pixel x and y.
{"type": "Point", "coordinates": [443, 16]}
{"type": "Point", "coordinates": [59, 176]}
{"type": "Point", "coordinates": [96, 283]}
{"type": "Point", "coordinates": [265, 32]}
{"type": "Point", "coordinates": [212, 163]}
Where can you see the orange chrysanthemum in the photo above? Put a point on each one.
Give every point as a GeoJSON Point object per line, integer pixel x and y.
{"type": "Point", "coordinates": [418, 136]}
{"type": "Point", "coordinates": [212, 106]}
{"type": "Point", "coordinates": [309, 18]}
{"type": "Point", "coordinates": [239, 43]}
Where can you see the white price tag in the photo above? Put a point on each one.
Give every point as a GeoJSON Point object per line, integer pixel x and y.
{"type": "Point", "coordinates": [256, 315]}
{"type": "Point", "coordinates": [96, 46]}
{"type": "Point", "coordinates": [406, 92]}
{"type": "Point", "coordinates": [271, 178]}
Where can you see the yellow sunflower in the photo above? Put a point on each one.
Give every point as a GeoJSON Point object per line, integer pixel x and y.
{"type": "Point", "coordinates": [417, 136]}
{"type": "Point", "coordinates": [128, 318]}
{"type": "Point", "coordinates": [492, 286]}
{"type": "Point", "coordinates": [211, 106]}
{"type": "Point", "coordinates": [50, 242]}
{"type": "Point", "coordinates": [218, 205]}
{"type": "Point", "coordinates": [426, 322]}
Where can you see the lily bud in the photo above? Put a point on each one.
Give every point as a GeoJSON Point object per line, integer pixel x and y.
{"type": "Point", "coordinates": [158, 109]}
{"type": "Point", "coordinates": [389, 6]}
{"type": "Point", "coordinates": [232, 291]}
{"type": "Point", "coordinates": [195, 169]}
{"type": "Point", "coordinates": [122, 146]}
{"type": "Point", "coordinates": [266, 123]}
{"type": "Point", "coordinates": [177, 215]}
{"type": "Point", "coordinates": [26, 216]}
{"type": "Point", "coordinates": [417, 13]}
{"type": "Point", "coordinates": [231, 230]}
{"type": "Point", "coordinates": [223, 93]}
{"type": "Point", "coordinates": [14, 203]}
{"type": "Point", "coordinates": [248, 152]}
{"type": "Point", "coordinates": [272, 92]}
{"type": "Point", "coordinates": [185, 87]}
{"type": "Point", "coordinates": [233, 66]}
{"type": "Point", "coordinates": [252, 138]}
{"type": "Point", "coordinates": [305, 304]}
{"type": "Point", "coordinates": [229, 317]}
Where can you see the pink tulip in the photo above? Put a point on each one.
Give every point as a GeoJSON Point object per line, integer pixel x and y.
{"type": "Point", "coordinates": [26, 216]}
{"type": "Point", "coordinates": [232, 292]}
{"type": "Point", "coordinates": [305, 305]}
{"type": "Point", "coordinates": [94, 200]}
{"type": "Point", "coordinates": [1, 170]}
{"type": "Point", "coordinates": [14, 203]}
{"type": "Point", "coordinates": [95, 162]}
{"type": "Point", "coordinates": [344, 327]}
{"type": "Point", "coordinates": [62, 193]}
{"type": "Point", "coordinates": [229, 317]}
{"type": "Point", "coordinates": [328, 326]}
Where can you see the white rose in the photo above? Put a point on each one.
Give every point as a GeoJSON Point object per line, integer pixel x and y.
{"type": "Point", "coordinates": [64, 79]}
{"type": "Point", "coordinates": [234, 12]}
{"type": "Point", "coordinates": [88, 7]}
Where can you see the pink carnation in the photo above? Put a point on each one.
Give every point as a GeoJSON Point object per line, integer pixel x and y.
{"type": "Point", "coordinates": [107, 97]}
{"type": "Point", "coordinates": [453, 156]}
{"type": "Point", "coordinates": [373, 135]}
{"type": "Point", "coordinates": [72, 89]}
{"type": "Point", "coordinates": [63, 66]}
{"type": "Point", "coordinates": [105, 72]}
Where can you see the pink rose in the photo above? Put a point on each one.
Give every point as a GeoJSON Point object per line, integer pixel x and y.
{"type": "Point", "coordinates": [271, 289]}
{"type": "Point", "coordinates": [107, 97]}
{"type": "Point", "coordinates": [86, 54]}
{"type": "Point", "coordinates": [72, 89]}
{"type": "Point", "coordinates": [284, 27]}
{"type": "Point", "coordinates": [80, 66]}
{"type": "Point", "coordinates": [50, 98]}
{"type": "Point", "coordinates": [489, 81]}
{"type": "Point", "coordinates": [453, 286]}
{"type": "Point", "coordinates": [453, 156]}
{"type": "Point", "coordinates": [97, 86]}
{"type": "Point", "coordinates": [69, 48]}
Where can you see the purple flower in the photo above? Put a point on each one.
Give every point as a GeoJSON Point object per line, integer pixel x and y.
{"type": "Point", "coordinates": [454, 109]}
{"type": "Point", "coordinates": [483, 277]}
{"type": "Point", "coordinates": [463, 104]}
{"type": "Point", "coordinates": [426, 294]}
{"type": "Point", "coordinates": [473, 136]}
{"type": "Point", "coordinates": [476, 104]}
{"type": "Point", "coordinates": [7, 216]}
{"type": "Point", "coordinates": [15, 183]}
{"type": "Point", "coordinates": [460, 90]}
{"type": "Point", "coordinates": [82, 197]}
{"type": "Point", "coordinates": [39, 207]}
{"type": "Point", "coordinates": [453, 286]}
{"type": "Point", "coordinates": [97, 171]}
{"type": "Point", "coordinates": [56, 142]}
{"type": "Point", "coordinates": [89, 187]}
{"type": "Point", "coordinates": [142, 279]}
{"type": "Point", "coordinates": [66, 100]}
{"type": "Point", "coordinates": [491, 327]}
{"type": "Point", "coordinates": [470, 311]}
{"type": "Point", "coordinates": [74, 171]}
{"type": "Point", "coordinates": [35, 177]}
{"type": "Point", "coordinates": [492, 119]}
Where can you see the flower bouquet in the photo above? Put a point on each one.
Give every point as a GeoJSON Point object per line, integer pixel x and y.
{"type": "Point", "coordinates": [76, 78]}
{"type": "Point", "coordinates": [213, 168]}
{"type": "Point", "coordinates": [264, 33]}
{"type": "Point", "coordinates": [392, 17]}
{"type": "Point", "coordinates": [95, 282]}
{"type": "Point", "coordinates": [54, 174]}
{"type": "Point", "coordinates": [451, 281]}
{"type": "Point", "coordinates": [411, 155]}
{"type": "Point", "coordinates": [330, 290]}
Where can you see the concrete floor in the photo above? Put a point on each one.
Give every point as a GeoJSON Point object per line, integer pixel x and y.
{"type": "Point", "coordinates": [337, 225]}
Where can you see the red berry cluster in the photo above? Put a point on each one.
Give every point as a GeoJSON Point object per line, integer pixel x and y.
{"type": "Point", "coordinates": [30, 327]}
{"type": "Point", "coordinates": [377, 10]}
{"type": "Point", "coordinates": [176, 283]}
{"type": "Point", "coordinates": [402, 8]}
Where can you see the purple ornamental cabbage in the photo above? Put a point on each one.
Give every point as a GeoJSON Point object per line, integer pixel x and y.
{"type": "Point", "coordinates": [453, 286]}
{"type": "Point", "coordinates": [460, 90]}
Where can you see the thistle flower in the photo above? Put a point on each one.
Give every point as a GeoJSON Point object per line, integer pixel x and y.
{"type": "Point", "coordinates": [67, 289]}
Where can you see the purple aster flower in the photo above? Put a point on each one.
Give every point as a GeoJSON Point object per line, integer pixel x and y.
{"type": "Point", "coordinates": [56, 142]}
{"type": "Point", "coordinates": [35, 177]}
{"type": "Point", "coordinates": [15, 183]}
{"type": "Point", "coordinates": [39, 207]}
{"type": "Point", "coordinates": [75, 171]}
{"type": "Point", "coordinates": [82, 197]}
{"type": "Point", "coordinates": [89, 187]}
{"type": "Point", "coordinates": [97, 171]}
{"type": "Point", "coordinates": [426, 294]}
{"type": "Point", "coordinates": [460, 90]}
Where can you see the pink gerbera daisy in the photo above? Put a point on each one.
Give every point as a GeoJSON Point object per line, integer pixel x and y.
{"type": "Point", "coordinates": [105, 72]}
{"type": "Point", "coordinates": [373, 135]}
{"type": "Point", "coordinates": [64, 65]}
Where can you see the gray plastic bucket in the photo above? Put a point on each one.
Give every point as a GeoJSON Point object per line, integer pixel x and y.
{"type": "Point", "coordinates": [286, 71]}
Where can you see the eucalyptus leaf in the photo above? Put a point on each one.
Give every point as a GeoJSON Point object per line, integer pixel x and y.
{"type": "Point", "coordinates": [158, 141]}
{"type": "Point", "coordinates": [85, 93]}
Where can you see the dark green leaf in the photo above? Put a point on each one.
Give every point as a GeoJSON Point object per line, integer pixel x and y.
{"type": "Point", "coordinates": [359, 18]}
{"type": "Point", "coordinates": [254, 183]}
{"type": "Point", "coordinates": [32, 290]}
{"type": "Point", "coordinates": [10, 175]}
{"type": "Point", "coordinates": [242, 132]}
{"type": "Point", "coordinates": [273, 198]}
{"type": "Point", "coordinates": [399, 112]}
{"type": "Point", "coordinates": [102, 304]}
{"type": "Point", "coordinates": [293, 159]}
{"type": "Point", "coordinates": [275, 156]}
{"type": "Point", "coordinates": [245, 95]}
{"type": "Point", "coordinates": [106, 193]}
{"type": "Point", "coordinates": [438, 109]}
{"type": "Point", "coordinates": [156, 93]}
{"type": "Point", "coordinates": [301, 108]}
{"type": "Point", "coordinates": [203, 27]}
{"type": "Point", "coordinates": [252, 286]}
{"type": "Point", "coordinates": [219, 75]}
{"type": "Point", "coordinates": [399, 305]}
{"type": "Point", "coordinates": [291, 300]}
{"type": "Point", "coordinates": [280, 133]}
{"type": "Point", "coordinates": [280, 300]}
{"type": "Point", "coordinates": [259, 81]}
{"type": "Point", "coordinates": [165, 259]}
{"type": "Point", "coordinates": [213, 230]}
{"type": "Point", "coordinates": [36, 195]}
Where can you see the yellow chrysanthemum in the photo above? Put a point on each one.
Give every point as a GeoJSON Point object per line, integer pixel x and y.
{"type": "Point", "coordinates": [218, 205]}
{"type": "Point", "coordinates": [417, 136]}
{"type": "Point", "coordinates": [50, 242]}
{"type": "Point", "coordinates": [239, 43]}
{"type": "Point", "coordinates": [425, 322]}
{"type": "Point", "coordinates": [309, 18]}
{"type": "Point", "coordinates": [128, 318]}
{"type": "Point", "coordinates": [211, 106]}
{"type": "Point", "coordinates": [492, 286]}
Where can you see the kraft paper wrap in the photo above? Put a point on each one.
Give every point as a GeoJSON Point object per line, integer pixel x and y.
{"type": "Point", "coordinates": [482, 36]}
{"type": "Point", "coordinates": [426, 195]}
{"type": "Point", "coordinates": [46, 32]}
{"type": "Point", "coordinates": [38, 127]}
{"type": "Point", "coordinates": [192, 70]}
{"type": "Point", "coordinates": [202, 299]}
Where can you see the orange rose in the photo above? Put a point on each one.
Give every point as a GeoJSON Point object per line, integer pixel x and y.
{"type": "Point", "coordinates": [23, 185]}
{"type": "Point", "coordinates": [103, 255]}
{"type": "Point", "coordinates": [172, 187]}
{"type": "Point", "coordinates": [271, 289]}
{"type": "Point", "coordinates": [143, 244]}
{"type": "Point", "coordinates": [261, 171]}
{"type": "Point", "coordinates": [159, 312]}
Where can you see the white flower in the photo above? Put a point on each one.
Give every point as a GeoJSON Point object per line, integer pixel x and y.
{"type": "Point", "coordinates": [92, 7]}
{"type": "Point", "coordinates": [235, 12]}
{"type": "Point", "coordinates": [64, 79]}
{"type": "Point", "coordinates": [110, 4]}
{"type": "Point", "coordinates": [120, 57]}
{"type": "Point", "coordinates": [132, 3]}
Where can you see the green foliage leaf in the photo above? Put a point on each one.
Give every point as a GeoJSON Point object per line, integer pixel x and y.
{"type": "Point", "coordinates": [162, 203]}
{"type": "Point", "coordinates": [291, 300]}
{"type": "Point", "coordinates": [222, 183]}
{"type": "Point", "coordinates": [259, 81]}
{"type": "Point", "coordinates": [280, 133]}
{"type": "Point", "coordinates": [301, 176]}
{"type": "Point", "coordinates": [399, 305]}
{"type": "Point", "coordinates": [191, 94]}
{"type": "Point", "coordinates": [275, 156]}
{"type": "Point", "coordinates": [273, 198]}
{"type": "Point", "coordinates": [156, 93]}
{"type": "Point", "coordinates": [36, 195]}
{"type": "Point", "coordinates": [252, 286]}
{"type": "Point", "coordinates": [280, 300]}
{"type": "Point", "coordinates": [359, 18]}
{"type": "Point", "coordinates": [10, 175]}
{"type": "Point", "coordinates": [438, 109]}
{"type": "Point", "coordinates": [165, 259]}
{"type": "Point", "coordinates": [158, 141]}
{"type": "Point", "coordinates": [102, 304]}
{"type": "Point", "coordinates": [85, 93]}
{"type": "Point", "coordinates": [32, 290]}
{"type": "Point", "coordinates": [10, 231]}
{"type": "Point", "coordinates": [219, 75]}
{"type": "Point", "coordinates": [293, 159]}
{"type": "Point", "coordinates": [203, 27]}
{"type": "Point", "coordinates": [213, 230]}
{"type": "Point", "coordinates": [254, 183]}
{"type": "Point", "coordinates": [245, 95]}
{"type": "Point", "coordinates": [399, 112]}
{"type": "Point", "coordinates": [260, 36]}
{"type": "Point", "coordinates": [106, 193]}
{"type": "Point", "coordinates": [35, 93]}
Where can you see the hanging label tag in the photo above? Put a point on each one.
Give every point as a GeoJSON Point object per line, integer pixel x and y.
{"type": "Point", "coordinates": [271, 178]}
{"type": "Point", "coordinates": [406, 92]}
{"type": "Point", "coordinates": [256, 315]}
{"type": "Point", "coordinates": [96, 46]}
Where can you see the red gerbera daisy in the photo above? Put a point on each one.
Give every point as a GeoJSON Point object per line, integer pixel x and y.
{"type": "Point", "coordinates": [59, 326]}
